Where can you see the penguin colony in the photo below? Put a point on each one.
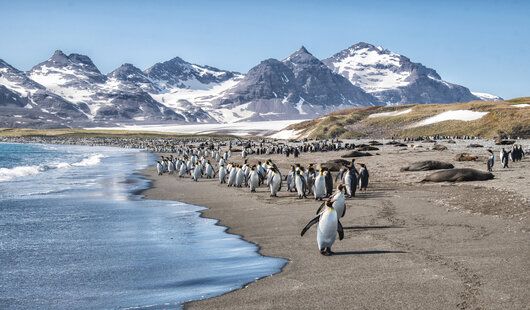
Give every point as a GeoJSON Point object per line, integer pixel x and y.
{"type": "Point", "coordinates": [306, 182]}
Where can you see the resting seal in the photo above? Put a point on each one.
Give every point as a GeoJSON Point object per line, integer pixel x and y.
{"type": "Point", "coordinates": [427, 165]}
{"type": "Point", "coordinates": [458, 175]}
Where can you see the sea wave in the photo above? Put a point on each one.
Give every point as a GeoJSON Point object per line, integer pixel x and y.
{"type": "Point", "coordinates": [7, 174]}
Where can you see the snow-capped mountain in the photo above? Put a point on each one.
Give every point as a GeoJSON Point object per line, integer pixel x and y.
{"type": "Point", "coordinates": [394, 78]}
{"type": "Point", "coordinates": [24, 101]}
{"type": "Point", "coordinates": [300, 86]}
{"type": "Point", "coordinates": [69, 90]}
{"type": "Point", "coordinates": [191, 89]}
{"type": "Point", "coordinates": [103, 99]}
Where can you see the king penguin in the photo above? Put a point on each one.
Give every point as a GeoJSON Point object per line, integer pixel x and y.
{"type": "Point", "coordinates": [254, 179]}
{"type": "Point", "coordinates": [328, 226]}
{"type": "Point", "coordinates": [320, 186]}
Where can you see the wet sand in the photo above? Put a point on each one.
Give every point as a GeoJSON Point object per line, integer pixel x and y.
{"type": "Point", "coordinates": [407, 245]}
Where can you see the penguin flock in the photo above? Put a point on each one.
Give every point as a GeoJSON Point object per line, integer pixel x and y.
{"type": "Point", "coordinates": [311, 182]}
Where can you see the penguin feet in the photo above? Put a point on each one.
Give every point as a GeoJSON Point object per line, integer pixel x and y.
{"type": "Point", "coordinates": [326, 252]}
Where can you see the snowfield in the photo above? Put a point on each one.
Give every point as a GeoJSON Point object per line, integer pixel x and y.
{"type": "Point", "coordinates": [237, 129]}
{"type": "Point", "coordinates": [394, 113]}
{"type": "Point", "coordinates": [456, 115]}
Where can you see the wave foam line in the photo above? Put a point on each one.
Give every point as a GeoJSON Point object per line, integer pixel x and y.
{"type": "Point", "coordinates": [7, 174]}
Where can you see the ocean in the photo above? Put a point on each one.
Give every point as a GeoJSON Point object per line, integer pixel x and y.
{"type": "Point", "coordinates": [75, 235]}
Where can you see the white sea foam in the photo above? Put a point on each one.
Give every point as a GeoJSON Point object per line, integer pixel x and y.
{"type": "Point", "coordinates": [7, 174]}
{"type": "Point", "coordinates": [90, 161]}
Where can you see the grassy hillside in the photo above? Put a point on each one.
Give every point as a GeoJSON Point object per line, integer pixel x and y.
{"type": "Point", "coordinates": [503, 119]}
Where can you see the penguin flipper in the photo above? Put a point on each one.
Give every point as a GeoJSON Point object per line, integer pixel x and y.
{"type": "Point", "coordinates": [311, 223]}
{"type": "Point", "coordinates": [344, 211]}
{"type": "Point", "coordinates": [320, 208]}
{"type": "Point", "coordinates": [340, 230]}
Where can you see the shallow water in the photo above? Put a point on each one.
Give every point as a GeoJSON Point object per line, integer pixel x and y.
{"type": "Point", "coordinates": [72, 235]}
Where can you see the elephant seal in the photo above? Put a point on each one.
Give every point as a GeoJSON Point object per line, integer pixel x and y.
{"type": "Point", "coordinates": [466, 157]}
{"type": "Point", "coordinates": [356, 154]}
{"type": "Point", "coordinates": [458, 175]}
{"type": "Point", "coordinates": [365, 148]}
{"type": "Point", "coordinates": [439, 147]}
{"type": "Point", "coordinates": [427, 165]}
{"type": "Point", "coordinates": [335, 164]}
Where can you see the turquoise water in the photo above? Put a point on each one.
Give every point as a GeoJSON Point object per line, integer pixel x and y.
{"type": "Point", "coordinates": [73, 235]}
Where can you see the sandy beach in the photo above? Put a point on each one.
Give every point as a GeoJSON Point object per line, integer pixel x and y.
{"type": "Point", "coordinates": [407, 245]}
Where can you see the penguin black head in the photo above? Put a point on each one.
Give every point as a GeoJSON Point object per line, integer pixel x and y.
{"type": "Point", "coordinates": [340, 187]}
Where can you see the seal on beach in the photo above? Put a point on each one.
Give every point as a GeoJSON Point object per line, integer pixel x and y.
{"type": "Point", "coordinates": [427, 165]}
{"type": "Point", "coordinates": [328, 226]}
{"type": "Point", "coordinates": [458, 175]}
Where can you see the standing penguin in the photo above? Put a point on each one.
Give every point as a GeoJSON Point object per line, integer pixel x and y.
{"type": "Point", "coordinates": [290, 180]}
{"type": "Point", "coordinates": [350, 180]}
{"type": "Point", "coordinates": [209, 170]}
{"type": "Point", "coordinates": [222, 174]}
{"type": "Point", "coordinates": [159, 168]}
{"type": "Point", "coordinates": [319, 190]}
{"type": "Point", "coordinates": [183, 170]}
{"type": "Point", "coordinates": [232, 176]}
{"type": "Point", "coordinates": [275, 181]}
{"type": "Point", "coordinates": [310, 178]}
{"type": "Point", "coordinates": [253, 178]}
{"type": "Point", "coordinates": [329, 183]}
{"type": "Point", "coordinates": [328, 226]}
{"type": "Point", "coordinates": [491, 161]}
{"type": "Point", "coordinates": [504, 158]}
{"type": "Point", "coordinates": [363, 177]}
{"type": "Point", "coordinates": [301, 184]}
{"type": "Point", "coordinates": [240, 177]}
{"type": "Point", "coordinates": [197, 171]}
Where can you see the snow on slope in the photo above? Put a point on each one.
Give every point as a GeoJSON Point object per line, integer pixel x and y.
{"type": "Point", "coordinates": [456, 115]}
{"type": "Point", "coordinates": [394, 113]}
{"type": "Point", "coordinates": [372, 69]}
{"type": "Point", "coordinates": [237, 129]}
{"type": "Point", "coordinates": [486, 96]}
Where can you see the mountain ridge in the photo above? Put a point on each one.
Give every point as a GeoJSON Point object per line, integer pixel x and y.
{"type": "Point", "coordinates": [69, 90]}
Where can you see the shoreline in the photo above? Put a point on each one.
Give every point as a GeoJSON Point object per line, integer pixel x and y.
{"type": "Point", "coordinates": [381, 261]}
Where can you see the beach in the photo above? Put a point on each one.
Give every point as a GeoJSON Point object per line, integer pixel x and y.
{"type": "Point", "coordinates": [407, 245]}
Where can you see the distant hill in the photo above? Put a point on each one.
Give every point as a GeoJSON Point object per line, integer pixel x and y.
{"type": "Point", "coordinates": [476, 118]}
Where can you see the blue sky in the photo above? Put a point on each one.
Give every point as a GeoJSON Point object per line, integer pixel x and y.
{"type": "Point", "coordinates": [484, 45]}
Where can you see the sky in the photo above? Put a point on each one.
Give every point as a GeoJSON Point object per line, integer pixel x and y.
{"type": "Point", "coordinates": [483, 45]}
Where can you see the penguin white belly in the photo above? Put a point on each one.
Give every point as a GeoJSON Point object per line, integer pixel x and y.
{"type": "Point", "coordinates": [222, 174]}
{"type": "Point", "coordinates": [320, 187]}
{"type": "Point", "coordinates": [339, 204]}
{"type": "Point", "coordinates": [275, 184]}
{"type": "Point", "coordinates": [232, 177]}
{"type": "Point", "coordinates": [240, 177]}
{"type": "Point", "coordinates": [347, 179]}
{"type": "Point", "coordinates": [327, 229]}
{"type": "Point", "coordinates": [254, 181]}
{"type": "Point", "coordinates": [299, 186]}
